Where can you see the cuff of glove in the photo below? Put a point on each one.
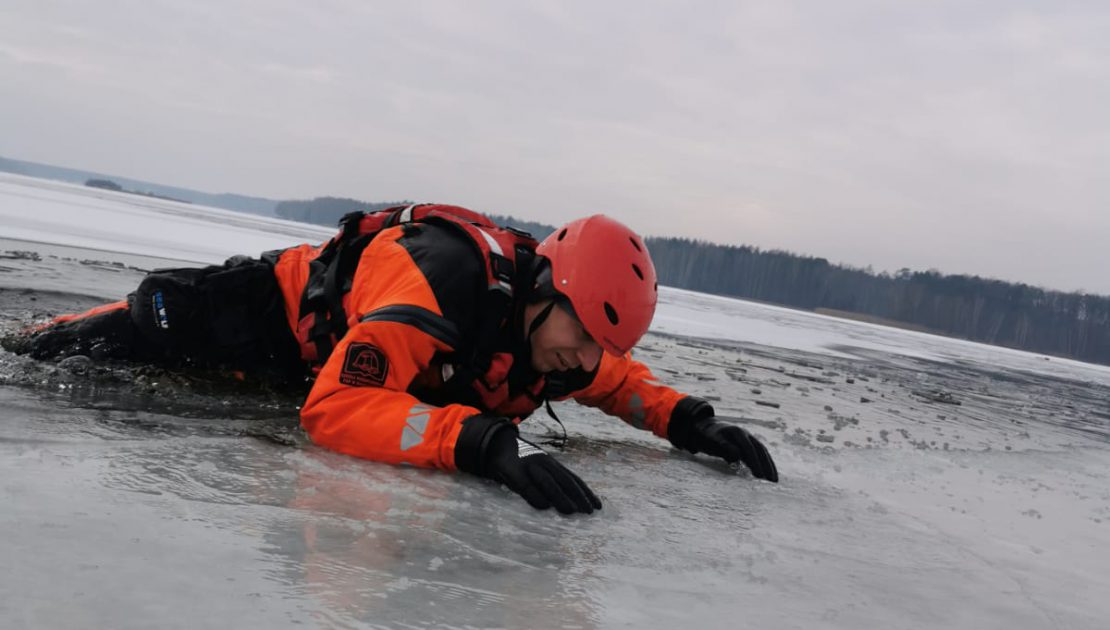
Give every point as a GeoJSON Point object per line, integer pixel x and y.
{"type": "Point", "coordinates": [687, 415]}
{"type": "Point", "coordinates": [473, 443]}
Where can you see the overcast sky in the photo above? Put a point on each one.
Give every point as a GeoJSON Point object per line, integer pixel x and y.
{"type": "Point", "coordinates": [971, 137]}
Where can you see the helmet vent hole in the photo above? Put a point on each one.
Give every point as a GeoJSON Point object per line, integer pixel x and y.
{"type": "Point", "coordinates": [611, 313]}
{"type": "Point", "coordinates": [638, 272]}
{"type": "Point", "coordinates": [635, 244]}
{"type": "Point", "coordinates": [562, 235]}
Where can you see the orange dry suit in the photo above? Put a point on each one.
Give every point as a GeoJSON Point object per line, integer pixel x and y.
{"type": "Point", "coordinates": [414, 324]}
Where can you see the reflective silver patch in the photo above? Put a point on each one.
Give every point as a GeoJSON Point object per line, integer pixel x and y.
{"type": "Point", "coordinates": [638, 415]}
{"type": "Point", "coordinates": [410, 438]}
{"type": "Point", "coordinates": [419, 423]}
{"type": "Point", "coordinates": [415, 425]}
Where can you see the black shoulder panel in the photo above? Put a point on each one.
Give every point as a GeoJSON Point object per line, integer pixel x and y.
{"type": "Point", "coordinates": [454, 271]}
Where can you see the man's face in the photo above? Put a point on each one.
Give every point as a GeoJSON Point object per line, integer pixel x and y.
{"type": "Point", "coordinates": [561, 343]}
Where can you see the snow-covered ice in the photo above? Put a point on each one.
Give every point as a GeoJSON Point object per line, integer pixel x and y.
{"type": "Point", "coordinates": [49, 212]}
{"type": "Point", "coordinates": [138, 499]}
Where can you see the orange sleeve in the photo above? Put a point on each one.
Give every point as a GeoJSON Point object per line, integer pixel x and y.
{"type": "Point", "coordinates": [627, 389]}
{"type": "Point", "coordinates": [96, 310]}
{"type": "Point", "coordinates": [359, 404]}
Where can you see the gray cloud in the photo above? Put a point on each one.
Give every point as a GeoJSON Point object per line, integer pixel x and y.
{"type": "Point", "coordinates": [970, 137]}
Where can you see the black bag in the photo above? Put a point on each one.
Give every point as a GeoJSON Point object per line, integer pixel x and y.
{"type": "Point", "coordinates": [229, 315]}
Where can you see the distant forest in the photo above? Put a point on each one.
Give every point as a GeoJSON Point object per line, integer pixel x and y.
{"type": "Point", "coordinates": [1073, 325]}
{"type": "Point", "coordinates": [1020, 316]}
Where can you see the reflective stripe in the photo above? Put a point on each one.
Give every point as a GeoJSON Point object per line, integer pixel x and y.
{"type": "Point", "coordinates": [406, 214]}
{"type": "Point", "coordinates": [494, 246]}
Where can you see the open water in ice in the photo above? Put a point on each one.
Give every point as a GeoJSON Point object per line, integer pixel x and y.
{"type": "Point", "coordinates": [137, 498]}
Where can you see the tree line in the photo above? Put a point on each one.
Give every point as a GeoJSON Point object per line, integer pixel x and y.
{"type": "Point", "coordinates": [981, 309]}
{"type": "Point", "coordinates": [1009, 314]}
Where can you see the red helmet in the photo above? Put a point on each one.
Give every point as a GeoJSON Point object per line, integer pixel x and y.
{"type": "Point", "coordinates": [603, 268]}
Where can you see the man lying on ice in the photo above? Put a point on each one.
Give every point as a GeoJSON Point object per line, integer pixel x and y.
{"type": "Point", "coordinates": [431, 333]}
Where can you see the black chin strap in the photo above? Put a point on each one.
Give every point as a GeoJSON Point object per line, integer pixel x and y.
{"type": "Point", "coordinates": [541, 288]}
{"type": "Point", "coordinates": [557, 442]}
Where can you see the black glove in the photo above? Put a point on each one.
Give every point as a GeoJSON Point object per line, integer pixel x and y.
{"type": "Point", "coordinates": [694, 427]}
{"type": "Point", "coordinates": [492, 448]}
{"type": "Point", "coordinates": [107, 335]}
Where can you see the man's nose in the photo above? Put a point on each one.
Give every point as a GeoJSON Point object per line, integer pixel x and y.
{"type": "Point", "coordinates": [589, 356]}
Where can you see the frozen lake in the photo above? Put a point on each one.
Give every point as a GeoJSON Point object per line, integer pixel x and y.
{"type": "Point", "coordinates": [135, 498]}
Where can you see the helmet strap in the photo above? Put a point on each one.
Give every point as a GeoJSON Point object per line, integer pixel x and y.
{"type": "Point", "coordinates": [540, 318]}
{"type": "Point", "coordinates": [542, 285]}
{"type": "Point", "coordinates": [541, 288]}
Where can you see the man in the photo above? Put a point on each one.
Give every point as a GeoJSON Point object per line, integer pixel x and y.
{"type": "Point", "coordinates": [431, 332]}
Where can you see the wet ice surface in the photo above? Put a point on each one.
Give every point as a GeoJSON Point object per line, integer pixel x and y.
{"type": "Point", "coordinates": [136, 498]}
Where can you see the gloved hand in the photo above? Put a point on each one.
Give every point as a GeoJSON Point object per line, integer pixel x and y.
{"type": "Point", "coordinates": [695, 428]}
{"type": "Point", "coordinates": [492, 448]}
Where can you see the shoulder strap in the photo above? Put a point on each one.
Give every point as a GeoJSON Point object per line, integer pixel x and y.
{"type": "Point", "coordinates": [503, 251]}
{"type": "Point", "coordinates": [331, 273]}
